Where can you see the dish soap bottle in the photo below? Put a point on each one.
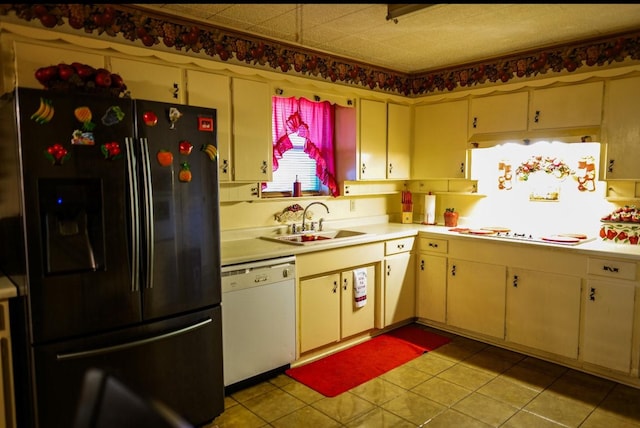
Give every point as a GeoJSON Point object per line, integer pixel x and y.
{"type": "Point", "coordinates": [297, 188]}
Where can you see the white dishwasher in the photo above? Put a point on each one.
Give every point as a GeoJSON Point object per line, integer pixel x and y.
{"type": "Point", "coordinates": [258, 319]}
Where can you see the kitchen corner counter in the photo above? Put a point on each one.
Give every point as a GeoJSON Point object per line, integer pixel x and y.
{"type": "Point", "coordinates": [256, 248]}
{"type": "Point", "coordinates": [7, 289]}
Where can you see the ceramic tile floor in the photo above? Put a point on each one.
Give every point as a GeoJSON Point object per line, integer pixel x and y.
{"type": "Point", "coordinates": [462, 384]}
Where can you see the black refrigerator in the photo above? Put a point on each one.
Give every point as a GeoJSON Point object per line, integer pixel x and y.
{"type": "Point", "coordinates": [110, 232]}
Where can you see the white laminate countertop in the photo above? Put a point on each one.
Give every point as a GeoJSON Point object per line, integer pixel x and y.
{"type": "Point", "coordinates": [256, 248]}
{"type": "Point", "coordinates": [7, 289]}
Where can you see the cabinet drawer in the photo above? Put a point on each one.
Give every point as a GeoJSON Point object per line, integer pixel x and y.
{"type": "Point", "coordinates": [433, 245]}
{"type": "Point", "coordinates": [398, 245]}
{"type": "Point", "coordinates": [613, 268]}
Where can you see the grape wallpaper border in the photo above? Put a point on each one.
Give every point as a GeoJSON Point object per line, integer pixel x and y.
{"type": "Point", "coordinates": [149, 28]}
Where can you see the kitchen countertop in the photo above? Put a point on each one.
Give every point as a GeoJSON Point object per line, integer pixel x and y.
{"type": "Point", "coordinates": [254, 248]}
{"type": "Point", "coordinates": [7, 289]}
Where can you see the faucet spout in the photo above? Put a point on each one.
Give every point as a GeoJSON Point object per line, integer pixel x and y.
{"type": "Point", "coordinates": [304, 214]}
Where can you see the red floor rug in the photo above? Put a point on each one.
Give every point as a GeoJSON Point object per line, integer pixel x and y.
{"type": "Point", "coordinates": [347, 369]}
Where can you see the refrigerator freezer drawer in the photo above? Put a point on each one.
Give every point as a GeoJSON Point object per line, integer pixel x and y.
{"type": "Point", "coordinates": [177, 362]}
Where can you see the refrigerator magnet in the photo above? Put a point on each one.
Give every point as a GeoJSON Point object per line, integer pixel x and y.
{"type": "Point", "coordinates": [111, 150]}
{"type": "Point", "coordinates": [44, 113]}
{"type": "Point", "coordinates": [210, 150]}
{"type": "Point", "coordinates": [150, 118]}
{"type": "Point", "coordinates": [174, 115]}
{"type": "Point", "coordinates": [82, 138]}
{"type": "Point", "coordinates": [185, 147]}
{"type": "Point", "coordinates": [185, 173]}
{"type": "Point", "coordinates": [113, 115]}
{"type": "Point", "coordinates": [205, 124]}
{"type": "Point", "coordinates": [165, 157]}
{"type": "Point", "coordinates": [57, 154]}
{"type": "Point", "coordinates": [84, 116]}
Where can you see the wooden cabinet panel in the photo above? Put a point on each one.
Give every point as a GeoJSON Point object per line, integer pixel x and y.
{"type": "Point", "coordinates": [398, 141]}
{"type": "Point", "coordinates": [543, 311]}
{"type": "Point", "coordinates": [399, 288]}
{"type": "Point", "coordinates": [566, 106]}
{"type": "Point", "coordinates": [431, 288]}
{"type": "Point", "coordinates": [319, 311]}
{"type": "Point", "coordinates": [357, 319]}
{"type": "Point", "coordinates": [621, 129]}
{"type": "Point", "coordinates": [499, 113]}
{"type": "Point", "coordinates": [440, 141]}
{"type": "Point", "coordinates": [373, 140]}
{"type": "Point", "coordinates": [476, 297]}
{"type": "Point", "coordinates": [608, 324]}
{"type": "Point", "coordinates": [150, 81]}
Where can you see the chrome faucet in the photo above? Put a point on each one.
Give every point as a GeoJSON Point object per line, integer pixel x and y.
{"type": "Point", "coordinates": [304, 214]}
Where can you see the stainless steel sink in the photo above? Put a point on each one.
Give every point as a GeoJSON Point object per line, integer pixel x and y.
{"type": "Point", "coordinates": [314, 237]}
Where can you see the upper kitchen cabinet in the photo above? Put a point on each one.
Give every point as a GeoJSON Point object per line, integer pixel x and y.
{"type": "Point", "coordinates": [621, 129]}
{"type": "Point", "coordinates": [214, 91]}
{"type": "Point", "coordinates": [384, 131]}
{"type": "Point", "coordinates": [252, 147]}
{"type": "Point", "coordinates": [30, 57]}
{"type": "Point", "coordinates": [498, 113]}
{"type": "Point", "coordinates": [150, 81]}
{"type": "Point", "coordinates": [440, 141]}
{"type": "Point", "coordinates": [573, 106]}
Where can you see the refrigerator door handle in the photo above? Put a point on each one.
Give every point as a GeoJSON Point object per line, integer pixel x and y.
{"type": "Point", "coordinates": [135, 214]}
{"type": "Point", "coordinates": [148, 206]}
{"type": "Point", "coordinates": [109, 349]}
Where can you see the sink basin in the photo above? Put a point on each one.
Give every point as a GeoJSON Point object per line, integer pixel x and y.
{"type": "Point", "coordinates": [314, 237]}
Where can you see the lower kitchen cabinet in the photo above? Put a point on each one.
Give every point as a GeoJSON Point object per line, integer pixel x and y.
{"type": "Point", "coordinates": [431, 279]}
{"type": "Point", "coordinates": [609, 305]}
{"type": "Point", "coordinates": [543, 311]}
{"type": "Point", "coordinates": [399, 281]}
{"type": "Point", "coordinates": [328, 312]}
{"type": "Point", "coordinates": [476, 297]}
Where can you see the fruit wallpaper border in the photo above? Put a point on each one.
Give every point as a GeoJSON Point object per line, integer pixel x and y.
{"type": "Point", "coordinates": [140, 25]}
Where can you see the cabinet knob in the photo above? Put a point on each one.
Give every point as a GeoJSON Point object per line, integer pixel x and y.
{"type": "Point", "coordinates": [453, 270]}
{"type": "Point", "coordinates": [592, 294]}
{"type": "Point", "coordinates": [390, 168]}
{"type": "Point", "coordinates": [432, 245]}
{"type": "Point", "coordinates": [462, 168]}
{"type": "Point", "coordinates": [515, 281]}
{"type": "Point", "coordinates": [176, 90]}
{"type": "Point", "coordinates": [475, 122]}
{"type": "Point", "coordinates": [610, 167]}
{"type": "Point", "coordinates": [388, 270]}
{"type": "Point", "coordinates": [335, 286]}
{"type": "Point", "coordinates": [536, 119]}
{"type": "Point", "coordinates": [225, 166]}
{"type": "Point", "coordinates": [345, 281]}
{"type": "Point", "coordinates": [421, 264]}
{"type": "Point", "coordinates": [400, 246]}
{"type": "Point", "coordinates": [264, 167]}
{"type": "Point", "coordinates": [364, 167]}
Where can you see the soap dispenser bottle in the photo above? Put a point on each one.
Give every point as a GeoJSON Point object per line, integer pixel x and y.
{"type": "Point", "coordinates": [297, 188]}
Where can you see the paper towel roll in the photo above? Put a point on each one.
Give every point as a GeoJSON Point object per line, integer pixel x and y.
{"type": "Point", "coordinates": [430, 209]}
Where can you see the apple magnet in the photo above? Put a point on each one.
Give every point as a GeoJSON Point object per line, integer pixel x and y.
{"type": "Point", "coordinates": [150, 118]}
{"type": "Point", "coordinates": [185, 147]}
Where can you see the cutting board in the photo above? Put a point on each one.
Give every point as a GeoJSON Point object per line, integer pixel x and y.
{"type": "Point", "coordinates": [561, 239]}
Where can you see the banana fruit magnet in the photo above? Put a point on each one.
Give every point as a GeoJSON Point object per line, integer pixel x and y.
{"type": "Point", "coordinates": [45, 112]}
{"type": "Point", "coordinates": [210, 150]}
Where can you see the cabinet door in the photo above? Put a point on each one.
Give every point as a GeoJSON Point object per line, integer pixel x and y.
{"type": "Point", "coordinates": [213, 91]}
{"type": "Point", "coordinates": [476, 297]}
{"type": "Point", "coordinates": [357, 319]}
{"type": "Point", "coordinates": [399, 288]}
{"type": "Point", "coordinates": [621, 129]}
{"type": "Point", "coordinates": [398, 141]}
{"type": "Point", "coordinates": [150, 81]}
{"type": "Point", "coordinates": [252, 146]}
{"type": "Point", "coordinates": [30, 57]}
{"type": "Point", "coordinates": [608, 324]}
{"type": "Point", "coordinates": [543, 311]}
{"type": "Point", "coordinates": [439, 141]}
{"type": "Point", "coordinates": [373, 140]}
{"type": "Point", "coordinates": [566, 106]}
{"type": "Point", "coordinates": [499, 113]}
{"type": "Point", "coordinates": [319, 311]}
{"type": "Point", "coordinates": [431, 293]}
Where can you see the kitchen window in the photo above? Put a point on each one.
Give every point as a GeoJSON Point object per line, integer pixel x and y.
{"type": "Point", "coordinates": [302, 132]}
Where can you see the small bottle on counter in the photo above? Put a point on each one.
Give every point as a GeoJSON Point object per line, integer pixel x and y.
{"type": "Point", "coordinates": [297, 188]}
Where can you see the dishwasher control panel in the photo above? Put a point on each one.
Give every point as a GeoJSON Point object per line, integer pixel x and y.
{"type": "Point", "coordinates": [246, 275]}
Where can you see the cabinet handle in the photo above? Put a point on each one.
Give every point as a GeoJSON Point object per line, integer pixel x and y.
{"type": "Point", "coordinates": [254, 191]}
{"type": "Point", "coordinates": [536, 119]}
{"type": "Point", "coordinates": [453, 270]}
{"type": "Point", "coordinates": [421, 264]}
{"type": "Point", "coordinates": [462, 168]}
{"type": "Point", "coordinates": [345, 284]}
{"type": "Point", "coordinates": [592, 294]}
{"type": "Point", "coordinates": [610, 167]}
{"type": "Point", "coordinates": [264, 167]}
{"type": "Point", "coordinates": [515, 281]}
{"type": "Point", "coordinates": [475, 122]}
{"type": "Point", "coordinates": [432, 245]}
{"type": "Point", "coordinates": [176, 89]}
{"type": "Point", "coordinates": [400, 246]}
{"type": "Point", "coordinates": [225, 166]}
{"type": "Point", "coordinates": [390, 168]}
{"type": "Point", "coordinates": [388, 270]}
{"type": "Point", "coordinates": [610, 269]}
{"type": "Point", "coordinates": [335, 286]}
{"type": "Point", "coordinates": [364, 167]}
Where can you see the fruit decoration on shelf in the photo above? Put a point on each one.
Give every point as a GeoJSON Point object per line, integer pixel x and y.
{"type": "Point", "coordinates": [623, 214]}
{"type": "Point", "coordinates": [83, 78]}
